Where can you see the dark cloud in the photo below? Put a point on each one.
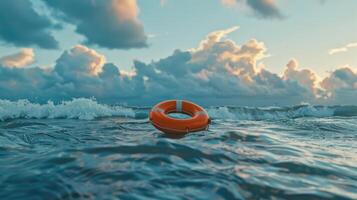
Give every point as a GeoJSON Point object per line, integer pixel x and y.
{"type": "Point", "coordinates": [22, 26]}
{"type": "Point", "coordinates": [262, 8]}
{"type": "Point", "coordinates": [35, 84]}
{"type": "Point", "coordinates": [107, 23]}
{"type": "Point", "coordinates": [265, 8]}
{"type": "Point", "coordinates": [217, 72]}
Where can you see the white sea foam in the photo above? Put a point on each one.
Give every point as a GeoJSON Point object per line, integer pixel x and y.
{"type": "Point", "coordinates": [89, 109]}
{"type": "Point", "coordinates": [80, 108]}
{"type": "Point", "coordinates": [271, 113]}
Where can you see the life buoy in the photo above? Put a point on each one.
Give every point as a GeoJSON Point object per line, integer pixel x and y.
{"type": "Point", "coordinates": [161, 120]}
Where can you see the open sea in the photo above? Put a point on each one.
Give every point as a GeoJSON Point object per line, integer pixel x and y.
{"type": "Point", "coordinates": [81, 149]}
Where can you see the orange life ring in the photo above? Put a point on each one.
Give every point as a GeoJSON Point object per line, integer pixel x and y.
{"type": "Point", "coordinates": [159, 117]}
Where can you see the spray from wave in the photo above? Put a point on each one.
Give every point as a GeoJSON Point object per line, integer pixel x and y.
{"type": "Point", "coordinates": [89, 109]}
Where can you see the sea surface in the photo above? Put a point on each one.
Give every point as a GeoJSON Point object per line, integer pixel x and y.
{"type": "Point", "coordinates": [81, 149]}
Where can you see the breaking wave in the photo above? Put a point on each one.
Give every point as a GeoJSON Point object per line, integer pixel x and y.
{"type": "Point", "coordinates": [80, 108]}
{"type": "Point", "coordinates": [278, 113]}
{"type": "Point", "coordinates": [88, 109]}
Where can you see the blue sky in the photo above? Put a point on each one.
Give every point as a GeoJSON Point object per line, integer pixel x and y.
{"type": "Point", "coordinates": [308, 31]}
{"type": "Point", "coordinates": [305, 30]}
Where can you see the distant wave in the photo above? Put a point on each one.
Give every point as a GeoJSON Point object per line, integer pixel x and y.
{"type": "Point", "coordinates": [80, 108]}
{"type": "Point", "coordinates": [276, 113]}
{"type": "Point", "coordinates": [88, 109]}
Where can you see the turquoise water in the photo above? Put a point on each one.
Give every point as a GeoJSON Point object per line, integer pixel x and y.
{"type": "Point", "coordinates": [106, 152]}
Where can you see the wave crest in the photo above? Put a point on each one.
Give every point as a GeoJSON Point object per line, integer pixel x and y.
{"type": "Point", "coordinates": [278, 113]}
{"type": "Point", "coordinates": [88, 109]}
{"type": "Point", "coordinates": [80, 108]}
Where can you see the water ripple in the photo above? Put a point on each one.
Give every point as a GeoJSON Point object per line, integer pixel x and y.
{"type": "Point", "coordinates": [125, 158]}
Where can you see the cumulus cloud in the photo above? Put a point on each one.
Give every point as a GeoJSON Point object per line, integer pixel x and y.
{"type": "Point", "coordinates": [341, 78]}
{"type": "Point", "coordinates": [78, 61]}
{"type": "Point", "coordinates": [305, 77]}
{"type": "Point", "coordinates": [262, 8]}
{"type": "Point", "coordinates": [112, 24]}
{"type": "Point", "coordinates": [345, 48]}
{"type": "Point", "coordinates": [341, 86]}
{"type": "Point", "coordinates": [22, 26]}
{"type": "Point", "coordinates": [21, 59]}
{"type": "Point", "coordinates": [218, 71]}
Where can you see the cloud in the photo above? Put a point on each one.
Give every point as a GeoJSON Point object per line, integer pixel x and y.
{"type": "Point", "coordinates": [351, 45]}
{"type": "Point", "coordinates": [80, 60]}
{"type": "Point", "coordinates": [337, 50]}
{"type": "Point", "coordinates": [341, 78]}
{"type": "Point", "coordinates": [265, 8]}
{"type": "Point", "coordinates": [20, 25]}
{"type": "Point", "coordinates": [345, 48]}
{"type": "Point", "coordinates": [262, 8]}
{"type": "Point", "coordinates": [341, 86]}
{"type": "Point", "coordinates": [229, 2]}
{"type": "Point", "coordinates": [305, 77]}
{"type": "Point", "coordinates": [21, 59]}
{"type": "Point", "coordinates": [163, 2]}
{"type": "Point", "coordinates": [112, 24]}
{"type": "Point", "coordinates": [218, 71]}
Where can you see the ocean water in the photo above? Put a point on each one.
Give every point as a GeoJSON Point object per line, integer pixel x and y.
{"type": "Point", "coordinates": [81, 149]}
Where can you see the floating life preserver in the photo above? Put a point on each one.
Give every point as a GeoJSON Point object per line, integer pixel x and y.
{"type": "Point", "coordinates": [161, 120]}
